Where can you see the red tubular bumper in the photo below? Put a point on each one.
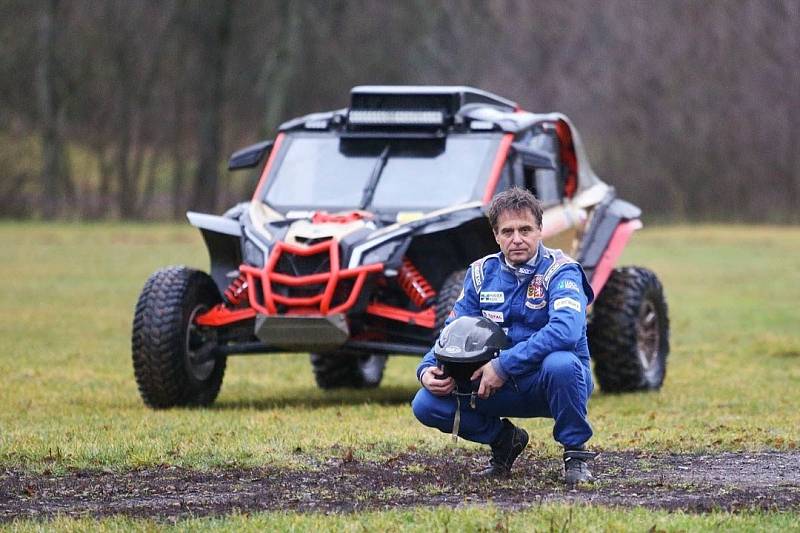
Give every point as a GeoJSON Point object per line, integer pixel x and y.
{"type": "Point", "coordinates": [266, 300]}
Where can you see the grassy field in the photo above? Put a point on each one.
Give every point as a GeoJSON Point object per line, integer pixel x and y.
{"type": "Point", "coordinates": [68, 398]}
{"type": "Point", "coordinates": [549, 518]}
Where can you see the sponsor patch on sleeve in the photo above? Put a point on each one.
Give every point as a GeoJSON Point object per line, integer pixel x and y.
{"type": "Point", "coordinates": [569, 303]}
{"type": "Point", "coordinates": [494, 316]}
{"type": "Point", "coordinates": [569, 285]}
{"type": "Point", "coordinates": [492, 297]}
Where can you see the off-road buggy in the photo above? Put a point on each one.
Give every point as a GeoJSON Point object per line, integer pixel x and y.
{"type": "Point", "coordinates": [355, 243]}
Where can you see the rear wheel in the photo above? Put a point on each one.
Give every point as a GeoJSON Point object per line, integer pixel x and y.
{"type": "Point", "coordinates": [335, 370]}
{"type": "Point", "coordinates": [172, 356]}
{"type": "Point", "coordinates": [629, 332]}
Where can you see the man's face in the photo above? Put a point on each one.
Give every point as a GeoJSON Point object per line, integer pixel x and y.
{"type": "Point", "coordinates": [518, 235]}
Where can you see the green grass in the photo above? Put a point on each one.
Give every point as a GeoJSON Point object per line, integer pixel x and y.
{"type": "Point", "coordinates": [68, 397]}
{"type": "Point", "coordinates": [546, 517]}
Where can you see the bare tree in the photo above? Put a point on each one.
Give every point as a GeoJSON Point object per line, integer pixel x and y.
{"type": "Point", "coordinates": [57, 186]}
{"type": "Point", "coordinates": [689, 108]}
{"type": "Point", "coordinates": [214, 39]}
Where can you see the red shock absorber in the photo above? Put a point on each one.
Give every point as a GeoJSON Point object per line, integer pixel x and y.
{"type": "Point", "coordinates": [414, 284]}
{"type": "Point", "coordinates": [236, 292]}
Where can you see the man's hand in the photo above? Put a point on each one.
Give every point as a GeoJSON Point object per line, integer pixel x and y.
{"type": "Point", "coordinates": [431, 380]}
{"type": "Point", "coordinates": [490, 381]}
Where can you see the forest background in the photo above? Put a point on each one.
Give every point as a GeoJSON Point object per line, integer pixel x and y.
{"type": "Point", "coordinates": [128, 110]}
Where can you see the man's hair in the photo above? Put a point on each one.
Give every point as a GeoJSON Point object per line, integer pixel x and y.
{"type": "Point", "coordinates": [514, 199]}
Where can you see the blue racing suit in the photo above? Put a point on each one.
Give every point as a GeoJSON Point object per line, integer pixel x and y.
{"type": "Point", "coordinates": [541, 306]}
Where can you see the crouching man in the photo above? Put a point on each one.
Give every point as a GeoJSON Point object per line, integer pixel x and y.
{"type": "Point", "coordinates": [538, 296]}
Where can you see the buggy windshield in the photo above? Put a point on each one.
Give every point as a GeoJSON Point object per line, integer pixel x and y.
{"type": "Point", "coordinates": [324, 171]}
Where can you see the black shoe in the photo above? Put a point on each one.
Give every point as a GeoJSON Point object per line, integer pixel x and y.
{"type": "Point", "coordinates": [505, 449]}
{"type": "Point", "coordinates": [575, 468]}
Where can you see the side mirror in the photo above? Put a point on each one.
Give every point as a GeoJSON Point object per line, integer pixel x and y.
{"type": "Point", "coordinates": [534, 157]}
{"type": "Point", "coordinates": [251, 156]}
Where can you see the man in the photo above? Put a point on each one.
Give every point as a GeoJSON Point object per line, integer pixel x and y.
{"type": "Point", "coordinates": [539, 297]}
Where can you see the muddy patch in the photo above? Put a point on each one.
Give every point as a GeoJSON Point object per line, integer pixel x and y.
{"type": "Point", "coordinates": [695, 483]}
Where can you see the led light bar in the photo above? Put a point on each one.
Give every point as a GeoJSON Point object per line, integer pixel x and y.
{"type": "Point", "coordinates": [386, 117]}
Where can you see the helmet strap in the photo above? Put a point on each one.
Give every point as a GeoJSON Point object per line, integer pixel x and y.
{"type": "Point", "coordinates": [457, 420]}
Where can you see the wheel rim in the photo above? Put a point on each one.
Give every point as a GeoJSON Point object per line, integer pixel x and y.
{"type": "Point", "coordinates": [197, 346]}
{"type": "Point", "coordinates": [648, 337]}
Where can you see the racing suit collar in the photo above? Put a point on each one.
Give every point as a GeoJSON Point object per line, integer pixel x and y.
{"type": "Point", "coordinates": [528, 268]}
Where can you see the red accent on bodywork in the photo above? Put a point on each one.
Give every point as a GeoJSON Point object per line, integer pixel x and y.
{"type": "Point", "coordinates": [568, 159]}
{"type": "Point", "coordinates": [219, 315]}
{"type": "Point", "coordinates": [321, 217]}
{"type": "Point", "coordinates": [614, 249]}
{"type": "Point", "coordinates": [321, 303]}
{"type": "Point", "coordinates": [497, 167]}
{"type": "Point", "coordinates": [426, 318]}
{"type": "Point", "coordinates": [272, 155]}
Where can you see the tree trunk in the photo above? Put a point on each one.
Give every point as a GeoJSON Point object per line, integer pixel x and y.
{"type": "Point", "coordinates": [281, 66]}
{"type": "Point", "coordinates": [55, 178]}
{"type": "Point", "coordinates": [106, 170]}
{"type": "Point", "coordinates": [178, 159]}
{"type": "Point", "coordinates": [214, 44]}
{"type": "Point", "coordinates": [178, 202]}
{"type": "Point", "coordinates": [793, 113]}
{"type": "Point", "coordinates": [149, 190]}
{"type": "Point", "coordinates": [127, 192]}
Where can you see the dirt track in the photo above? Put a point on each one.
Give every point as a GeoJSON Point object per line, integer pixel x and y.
{"type": "Point", "coordinates": [696, 483]}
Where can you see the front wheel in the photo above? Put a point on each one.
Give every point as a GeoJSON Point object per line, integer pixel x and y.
{"type": "Point", "coordinates": [173, 358]}
{"type": "Point", "coordinates": [629, 332]}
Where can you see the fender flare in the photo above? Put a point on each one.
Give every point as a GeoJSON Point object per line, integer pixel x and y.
{"type": "Point", "coordinates": [613, 223]}
{"type": "Point", "coordinates": [222, 236]}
